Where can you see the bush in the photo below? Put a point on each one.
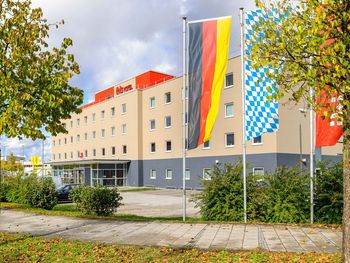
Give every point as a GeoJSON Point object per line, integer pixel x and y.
{"type": "Point", "coordinates": [97, 200]}
{"type": "Point", "coordinates": [329, 194]}
{"type": "Point", "coordinates": [43, 194]}
{"type": "Point", "coordinates": [4, 188]}
{"type": "Point", "coordinates": [20, 187]}
{"type": "Point", "coordinates": [222, 197]}
{"type": "Point", "coordinates": [288, 196]}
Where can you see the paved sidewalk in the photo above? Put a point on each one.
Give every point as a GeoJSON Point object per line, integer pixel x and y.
{"type": "Point", "coordinates": [203, 236]}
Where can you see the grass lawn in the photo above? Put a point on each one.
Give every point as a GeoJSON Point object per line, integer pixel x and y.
{"type": "Point", "coordinates": [21, 248]}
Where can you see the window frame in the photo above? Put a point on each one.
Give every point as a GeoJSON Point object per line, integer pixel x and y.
{"type": "Point", "coordinates": [151, 174]}
{"type": "Point", "coordinates": [258, 168]}
{"type": "Point", "coordinates": [204, 174]}
{"type": "Point", "coordinates": [166, 146]}
{"type": "Point", "coordinates": [208, 147]}
{"type": "Point", "coordinates": [153, 98]}
{"type": "Point", "coordinates": [166, 173]}
{"type": "Point", "coordinates": [233, 112]}
{"type": "Point", "coordinates": [165, 121]}
{"type": "Point", "coordinates": [150, 147]}
{"type": "Point", "coordinates": [126, 149]}
{"type": "Point", "coordinates": [233, 83]}
{"type": "Point", "coordinates": [165, 97]}
{"type": "Point", "coordinates": [150, 124]}
{"type": "Point", "coordinates": [226, 134]}
{"type": "Point", "coordinates": [123, 128]}
{"type": "Point", "coordinates": [123, 111]}
{"type": "Point", "coordinates": [257, 143]}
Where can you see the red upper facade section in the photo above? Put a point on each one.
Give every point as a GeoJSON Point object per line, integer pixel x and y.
{"type": "Point", "coordinates": [151, 78]}
{"type": "Point", "coordinates": [143, 81]}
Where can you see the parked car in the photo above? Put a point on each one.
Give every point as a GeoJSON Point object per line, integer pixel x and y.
{"type": "Point", "coordinates": [64, 190]}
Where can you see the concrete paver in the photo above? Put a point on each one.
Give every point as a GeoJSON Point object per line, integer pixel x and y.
{"type": "Point", "coordinates": [203, 236]}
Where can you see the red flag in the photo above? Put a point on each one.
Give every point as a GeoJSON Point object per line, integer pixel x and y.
{"type": "Point", "coordinates": [328, 128]}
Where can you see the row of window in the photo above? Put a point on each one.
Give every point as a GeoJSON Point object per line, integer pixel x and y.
{"type": "Point", "coordinates": [205, 173]}
{"type": "Point", "coordinates": [85, 154]}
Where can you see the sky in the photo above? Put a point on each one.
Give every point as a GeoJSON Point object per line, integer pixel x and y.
{"type": "Point", "coordinates": [114, 40]}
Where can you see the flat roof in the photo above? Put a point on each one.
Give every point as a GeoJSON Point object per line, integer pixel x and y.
{"type": "Point", "coordinates": [91, 161]}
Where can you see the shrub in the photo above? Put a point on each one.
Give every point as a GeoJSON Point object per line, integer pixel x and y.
{"type": "Point", "coordinates": [287, 196]}
{"type": "Point", "coordinates": [43, 194]}
{"type": "Point", "coordinates": [4, 188]}
{"type": "Point", "coordinates": [329, 193]}
{"type": "Point", "coordinates": [20, 187]}
{"type": "Point", "coordinates": [97, 200]}
{"type": "Point", "coordinates": [222, 196]}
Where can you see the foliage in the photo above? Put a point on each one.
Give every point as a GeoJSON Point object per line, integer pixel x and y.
{"type": "Point", "coordinates": [4, 188]}
{"type": "Point", "coordinates": [329, 194]}
{"type": "Point", "coordinates": [287, 196]}
{"type": "Point", "coordinates": [43, 194]}
{"type": "Point", "coordinates": [97, 200]}
{"type": "Point", "coordinates": [11, 165]}
{"type": "Point", "coordinates": [23, 248]}
{"type": "Point", "coordinates": [35, 94]}
{"type": "Point", "coordinates": [221, 198]}
{"type": "Point", "coordinates": [20, 188]}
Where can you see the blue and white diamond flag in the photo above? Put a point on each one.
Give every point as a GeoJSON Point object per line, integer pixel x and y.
{"type": "Point", "coordinates": [261, 114]}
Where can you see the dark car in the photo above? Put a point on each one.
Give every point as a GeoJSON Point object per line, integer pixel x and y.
{"type": "Point", "coordinates": [63, 192]}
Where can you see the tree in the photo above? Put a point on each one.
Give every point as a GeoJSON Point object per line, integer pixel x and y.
{"type": "Point", "coordinates": [311, 44]}
{"type": "Point", "coordinates": [35, 93]}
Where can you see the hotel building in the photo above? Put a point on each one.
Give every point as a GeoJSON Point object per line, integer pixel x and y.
{"type": "Point", "coordinates": [131, 135]}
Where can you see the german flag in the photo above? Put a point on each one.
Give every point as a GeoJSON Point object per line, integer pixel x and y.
{"type": "Point", "coordinates": [207, 62]}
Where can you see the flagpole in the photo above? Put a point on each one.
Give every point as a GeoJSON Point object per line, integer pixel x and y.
{"type": "Point", "coordinates": [311, 159]}
{"type": "Point", "coordinates": [244, 146]}
{"type": "Point", "coordinates": [184, 24]}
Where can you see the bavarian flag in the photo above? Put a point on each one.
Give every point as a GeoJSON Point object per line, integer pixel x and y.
{"type": "Point", "coordinates": [208, 45]}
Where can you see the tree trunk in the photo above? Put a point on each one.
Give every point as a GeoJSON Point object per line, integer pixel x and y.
{"type": "Point", "coordinates": [346, 180]}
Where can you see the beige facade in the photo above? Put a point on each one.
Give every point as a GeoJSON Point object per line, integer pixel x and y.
{"type": "Point", "coordinates": [138, 119]}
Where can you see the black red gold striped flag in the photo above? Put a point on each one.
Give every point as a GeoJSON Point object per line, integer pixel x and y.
{"type": "Point", "coordinates": [207, 64]}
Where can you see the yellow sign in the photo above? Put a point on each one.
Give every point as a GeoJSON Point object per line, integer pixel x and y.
{"type": "Point", "coordinates": [35, 160]}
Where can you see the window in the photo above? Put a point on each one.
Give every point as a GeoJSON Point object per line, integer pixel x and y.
{"type": "Point", "coordinates": [188, 174]}
{"type": "Point", "coordinates": [206, 174]}
{"type": "Point", "coordinates": [152, 147]}
{"type": "Point", "coordinates": [168, 146]}
{"type": "Point", "coordinates": [71, 124]}
{"type": "Point", "coordinates": [78, 122]}
{"type": "Point", "coordinates": [229, 110]}
{"type": "Point", "coordinates": [65, 125]}
{"type": "Point", "coordinates": [71, 155]}
{"type": "Point", "coordinates": [103, 133]}
{"type": "Point", "coordinates": [78, 154]}
{"type": "Point", "coordinates": [53, 142]}
{"type": "Point", "coordinates": [123, 108]}
{"type": "Point", "coordinates": [123, 128]}
{"type": "Point", "coordinates": [94, 152]}
{"type": "Point", "coordinates": [167, 121]}
{"type": "Point", "coordinates": [53, 156]}
{"type": "Point", "coordinates": [85, 136]}
{"type": "Point", "coordinates": [113, 150]}
{"type": "Point", "coordinates": [113, 131]}
{"type": "Point", "coordinates": [206, 145]}
{"type": "Point", "coordinates": [112, 111]}
{"type": "Point", "coordinates": [258, 171]}
{"type": "Point", "coordinates": [65, 140]}
{"type": "Point", "coordinates": [229, 80]}
{"type": "Point", "coordinates": [152, 174]}
{"type": "Point", "coordinates": [71, 139]}
{"type": "Point", "coordinates": [86, 154]}
{"type": "Point", "coordinates": [168, 174]}
{"type": "Point", "coordinates": [59, 141]}
{"type": "Point", "coordinates": [102, 114]}
{"type": "Point", "coordinates": [78, 138]}
{"type": "Point", "coordinates": [257, 140]}
{"type": "Point", "coordinates": [167, 97]}
{"type": "Point", "coordinates": [230, 140]}
{"type": "Point", "coordinates": [93, 117]}
{"type": "Point", "coordinates": [152, 125]}
{"type": "Point", "coordinates": [65, 155]}
{"type": "Point", "coordinates": [152, 102]}
{"type": "Point", "coordinates": [59, 156]}
{"type": "Point", "coordinates": [85, 119]}
{"type": "Point", "coordinates": [124, 149]}
{"type": "Point", "coordinates": [103, 151]}
{"type": "Point", "coordinates": [94, 135]}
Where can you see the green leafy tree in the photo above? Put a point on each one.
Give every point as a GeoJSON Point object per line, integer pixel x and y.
{"type": "Point", "coordinates": [312, 45]}
{"type": "Point", "coordinates": [35, 93]}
